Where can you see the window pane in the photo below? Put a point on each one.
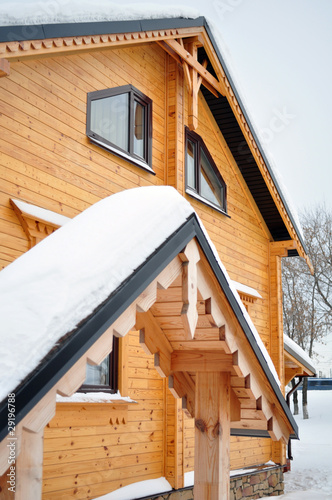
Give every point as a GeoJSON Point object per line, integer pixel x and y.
{"type": "Point", "coordinates": [98, 375]}
{"type": "Point", "coordinates": [191, 177]}
{"type": "Point", "coordinates": [139, 128]}
{"type": "Point", "coordinates": [110, 119]}
{"type": "Point", "coordinates": [211, 189]}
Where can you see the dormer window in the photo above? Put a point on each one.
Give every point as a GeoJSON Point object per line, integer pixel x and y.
{"type": "Point", "coordinates": [203, 179]}
{"type": "Point", "coordinates": [119, 120]}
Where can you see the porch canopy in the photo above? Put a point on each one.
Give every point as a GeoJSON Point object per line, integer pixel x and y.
{"type": "Point", "coordinates": [297, 361]}
{"type": "Point", "coordinates": [142, 260]}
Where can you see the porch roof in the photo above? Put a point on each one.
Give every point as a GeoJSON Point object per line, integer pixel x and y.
{"type": "Point", "coordinates": [57, 308]}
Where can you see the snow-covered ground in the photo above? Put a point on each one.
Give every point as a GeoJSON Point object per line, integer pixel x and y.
{"type": "Point", "coordinates": [311, 474]}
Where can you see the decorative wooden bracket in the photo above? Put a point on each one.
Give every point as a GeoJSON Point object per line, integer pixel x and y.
{"type": "Point", "coordinates": [189, 313]}
{"type": "Point", "coordinates": [4, 67]}
{"type": "Point", "coordinates": [194, 72]}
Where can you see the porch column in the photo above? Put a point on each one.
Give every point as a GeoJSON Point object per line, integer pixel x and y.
{"type": "Point", "coordinates": [212, 435]}
{"type": "Point", "coordinates": [30, 466]}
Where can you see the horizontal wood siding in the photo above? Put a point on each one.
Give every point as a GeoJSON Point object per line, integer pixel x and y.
{"type": "Point", "coordinates": [46, 158]}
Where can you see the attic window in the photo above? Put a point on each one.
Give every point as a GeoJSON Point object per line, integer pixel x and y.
{"type": "Point", "coordinates": [120, 120]}
{"type": "Point", "coordinates": [203, 179]}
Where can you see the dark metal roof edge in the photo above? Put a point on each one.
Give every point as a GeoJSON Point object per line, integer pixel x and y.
{"type": "Point", "coordinates": [301, 360]}
{"type": "Point", "coordinates": [41, 31]}
{"type": "Point", "coordinates": [252, 130]}
{"type": "Point", "coordinates": [243, 322]}
{"type": "Point", "coordinates": [49, 373]}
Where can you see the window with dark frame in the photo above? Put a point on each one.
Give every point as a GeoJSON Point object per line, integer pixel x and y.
{"type": "Point", "coordinates": [120, 120]}
{"type": "Point", "coordinates": [103, 377]}
{"type": "Point", "coordinates": [203, 179]}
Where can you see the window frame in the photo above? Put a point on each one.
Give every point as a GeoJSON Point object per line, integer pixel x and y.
{"type": "Point", "coordinates": [146, 102]}
{"type": "Point", "coordinates": [113, 386]}
{"type": "Point", "coordinates": [196, 193]}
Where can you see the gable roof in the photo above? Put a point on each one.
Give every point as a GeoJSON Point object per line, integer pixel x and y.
{"type": "Point", "coordinates": [245, 147]}
{"type": "Point", "coordinates": [54, 309]}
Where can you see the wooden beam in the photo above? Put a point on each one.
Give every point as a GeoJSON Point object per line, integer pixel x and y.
{"type": "Point", "coordinates": [4, 67]}
{"type": "Point", "coordinates": [185, 55]}
{"type": "Point", "coordinates": [181, 385]}
{"type": "Point", "coordinates": [235, 407]}
{"type": "Point", "coordinates": [212, 436]}
{"type": "Point", "coordinates": [189, 313]}
{"type": "Point", "coordinates": [153, 341]}
{"type": "Point", "coordinates": [73, 379]}
{"type": "Point", "coordinates": [203, 361]}
{"type": "Point", "coordinates": [30, 466]}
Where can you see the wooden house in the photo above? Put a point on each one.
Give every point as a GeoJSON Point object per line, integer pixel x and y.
{"type": "Point", "coordinates": [179, 347]}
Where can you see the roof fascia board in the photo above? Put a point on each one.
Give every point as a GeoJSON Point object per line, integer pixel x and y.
{"type": "Point", "coordinates": [253, 132]}
{"type": "Point", "coordinates": [244, 325]}
{"type": "Point", "coordinates": [45, 31]}
{"type": "Point", "coordinates": [54, 367]}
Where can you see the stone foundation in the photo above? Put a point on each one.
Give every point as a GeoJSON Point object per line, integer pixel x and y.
{"type": "Point", "coordinates": [260, 483]}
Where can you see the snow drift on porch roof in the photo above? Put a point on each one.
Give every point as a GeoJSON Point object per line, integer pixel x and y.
{"type": "Point", "coordinates": [50, 289]}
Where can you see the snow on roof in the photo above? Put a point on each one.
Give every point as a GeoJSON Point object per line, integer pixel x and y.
{"type": "Point", "coordinates": [78, 11]}
{"type": "Point", "coordinates": [295, 350]}
{"type": "Point", "coordinates": [49, 290]}
{"type": "Point", "coordinates": [41, 213]}
{"type": "Point", "coordinates": [247, 290]}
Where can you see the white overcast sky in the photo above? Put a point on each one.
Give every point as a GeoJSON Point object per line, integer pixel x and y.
{"type": "Point", "coordinates": [280, 53]}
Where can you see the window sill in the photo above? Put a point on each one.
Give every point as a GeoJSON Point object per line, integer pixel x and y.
{"type": "Point", "coordinates": [197, 197]}
{"type": "Point", "coordinates": [123, 154]}
{"type": "Point", "coordinates": [95, 397]}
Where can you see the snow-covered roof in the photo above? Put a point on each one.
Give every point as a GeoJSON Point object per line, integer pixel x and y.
{"type": "Point", "coordinates": [50, 290]}
{"type": "Point", "coordinates": [298, 353]}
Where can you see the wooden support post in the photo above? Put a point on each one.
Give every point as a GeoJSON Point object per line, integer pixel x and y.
{"type": "Point", "coordinates": [30, 466]}
{"type": "Point", "coordinates": [4, 67]}
{"type": "Point", "coordinates": [212, 436]}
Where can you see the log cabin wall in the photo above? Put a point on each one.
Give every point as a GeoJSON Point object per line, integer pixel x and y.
{"type": "Point", "coordinates": [47, 160]}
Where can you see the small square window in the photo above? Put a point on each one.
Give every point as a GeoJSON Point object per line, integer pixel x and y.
{"type": "Point", "coordinates": [203, 179]}
{"type": "Point", "coordinates": [103, 377]}
{"type": "Point", "coordinates": [120, 120]}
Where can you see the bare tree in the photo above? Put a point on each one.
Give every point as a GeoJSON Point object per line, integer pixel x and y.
{"type": "Point", "coordinates": [307, 298]}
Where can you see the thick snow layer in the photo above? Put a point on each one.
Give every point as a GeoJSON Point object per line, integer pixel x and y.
{"type": "Point", "coordinates": [78, 11]}
{"type": "Point", "coordinates": [301, 354]}
{"type": "Point", "coordinates": [311, 474]}
{"type": "Point", "coordinates": [139, 490]}
{"type": "Point", "coordinates": [41, 213]}
{"type": "Point", "coordinates": [49, 290]}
